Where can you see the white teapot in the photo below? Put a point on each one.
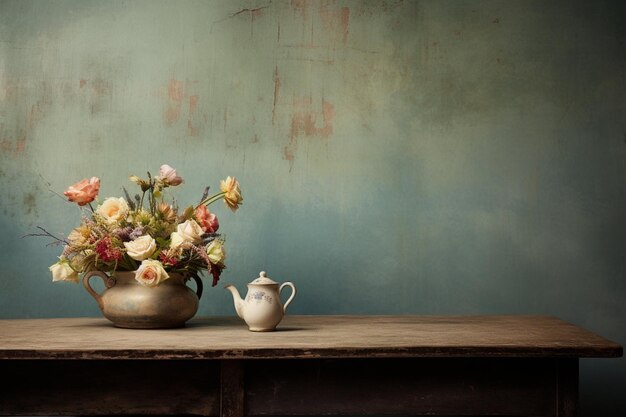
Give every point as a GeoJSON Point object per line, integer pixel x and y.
{"type": "Point", "coordinates": [262, 309]}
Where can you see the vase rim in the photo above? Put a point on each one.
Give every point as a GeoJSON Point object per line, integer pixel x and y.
{"type": "Point", "coordinates": [129, 276]}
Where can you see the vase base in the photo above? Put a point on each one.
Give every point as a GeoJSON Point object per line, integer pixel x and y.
{"type": "Point", "coordinates": [148, 326]}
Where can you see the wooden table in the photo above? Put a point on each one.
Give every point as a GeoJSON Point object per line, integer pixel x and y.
{"type": "Point", "coordinates": [314, 365]}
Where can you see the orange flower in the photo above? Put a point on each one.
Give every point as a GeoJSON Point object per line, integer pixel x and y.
{"type": "Point", "coordinates": [232, 196]}
{"type": "Point", "coordinates": [83, 192]}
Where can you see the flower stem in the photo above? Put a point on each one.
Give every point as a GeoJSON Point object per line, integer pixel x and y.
{"type": "Point", "coordinates": [211, 199]}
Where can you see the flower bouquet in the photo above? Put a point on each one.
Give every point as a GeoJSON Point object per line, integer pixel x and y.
{"type": "Point", "coordinates": [145, 234]}
{"type": "Point", "coordinates": [144, 249]}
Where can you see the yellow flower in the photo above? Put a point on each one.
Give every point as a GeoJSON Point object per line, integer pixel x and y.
{"type": "Point", "coordinates": [232, 198]}
{"type": "Point", "coordinates": [141, 183]}
{"type": "Point", "coordinates": [167, 212]}
{"type": "Point", "coordinates": [79, 236]}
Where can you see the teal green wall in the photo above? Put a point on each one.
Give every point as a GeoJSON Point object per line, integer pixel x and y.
{"type": "Point", "coordinates": [417, 157]}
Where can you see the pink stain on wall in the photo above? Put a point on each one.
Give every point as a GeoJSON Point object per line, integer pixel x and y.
{"type": "Point", "coordinates": [254, 13]}
{"type": "Point", "coordinates": [193, 104]}
{"type": "Point", "coordinates": [301, 6]}
{"type": "Point", "coordinates": [345, 23]}
{"type": "Point", "coordinates": [82, 83]}
{"type": "Point", "coordinates": [13, 147]}
{"type": "Point", "coordinates": [336, 22]}
{"type": "Point", "coordinates": [175, 95]}
{"type": "Point", "coordinates": [308, 122]}
{"type": "Point", "coordinates": [35, 114]}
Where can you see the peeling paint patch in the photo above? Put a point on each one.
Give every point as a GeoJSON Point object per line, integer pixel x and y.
{"type": "Point", "coordinates": [175, 95]}
{"type": "Point", "coordinates": [193, 104]}
{"type": "Point", "coordinates": [100, 87]}
{"type": "Point", "coordinates": [308, 122]}
{"type": "Point", "coordinates": [345, 23]}
{"type": "Point", "coordinates": [13, 147]}
{"type": "Point", "coordinates": [180, 103]}
{"type": "Point", "coordinates": [336, 22]}
{"type": "Point", "coordinates": [10, 91]}
{"type": "Point", "coordinates": [35, 114]}
{"type": "Point", "coordinates": [99, 95]}
{"type": "Point", "coordinates": [30, 203]}
{"type": "Point", "coordinates": [302, 7]}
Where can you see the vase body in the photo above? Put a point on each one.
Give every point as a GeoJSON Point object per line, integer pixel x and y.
{"type": "Point", "coordinates": [129, 304]}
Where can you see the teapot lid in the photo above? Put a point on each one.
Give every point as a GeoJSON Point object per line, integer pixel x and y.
{"type": "Point", "coordinates": [263, 279]}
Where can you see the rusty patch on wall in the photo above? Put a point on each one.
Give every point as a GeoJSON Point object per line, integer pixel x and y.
{"type": "Point", "coordinates": [176, 94]}
{"type": "Point", "coordinates": [308, 121]}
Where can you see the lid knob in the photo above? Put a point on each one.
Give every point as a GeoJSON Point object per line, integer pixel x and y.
{"type": "Point", "coordinates": [263, 274]}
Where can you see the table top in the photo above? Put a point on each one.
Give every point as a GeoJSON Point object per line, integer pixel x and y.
{"type": "Point", "coordinates": [306, 337]}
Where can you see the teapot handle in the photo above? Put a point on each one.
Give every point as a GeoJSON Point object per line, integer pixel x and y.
{"type": "Point", "coordinates": [293, 293]}
{"type": "Point", "coordinates": [108, 282]}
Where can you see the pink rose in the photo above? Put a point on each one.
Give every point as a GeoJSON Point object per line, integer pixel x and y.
{"type": "Point", "coordinates": [83, 192]}
{"type": "Point", "coordinates": [168, 175]}
{"type": "Point", "coordinates": [151, 273]}
{"type": "Point", "coordinates": [206, 219]}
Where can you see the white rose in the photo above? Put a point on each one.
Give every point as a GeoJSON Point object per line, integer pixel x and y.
{"type": "Point", "coordinates": [141, 248]}
{"type": "Point", "coordinates": [113, 209]}
{"type": "Point", "coordinates": [62, 271]}
{"type": "Point", "coordinates": [177, 241]}
{"type": "Point", "coordinates": [216, 252]}
{"type": "Point", "coordinates": [190, 231]}
{"type": "Point", "coordinates": [151, 273]}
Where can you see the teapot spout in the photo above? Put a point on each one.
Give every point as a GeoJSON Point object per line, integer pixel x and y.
{"type": "Point", "coordinates": [239, 305]}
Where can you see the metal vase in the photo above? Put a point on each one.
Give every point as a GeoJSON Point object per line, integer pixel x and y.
{"type": "Point", "coordinates": [128, 304]}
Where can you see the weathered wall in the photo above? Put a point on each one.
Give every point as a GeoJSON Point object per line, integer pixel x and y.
{"type": "Point", "coordinates": [423, 157]}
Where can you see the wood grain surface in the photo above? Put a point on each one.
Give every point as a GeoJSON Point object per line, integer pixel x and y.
{"type": "Point", "coordinates": [306, 337]}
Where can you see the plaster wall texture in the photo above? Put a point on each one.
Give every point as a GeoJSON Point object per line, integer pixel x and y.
{"type": "Point", "coordinates": [396, 157]}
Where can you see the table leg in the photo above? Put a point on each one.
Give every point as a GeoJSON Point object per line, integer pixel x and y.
{"type": "Point", "coordinates": [567, 387]}
{"type": "Point", "coordinates": [232, 388]}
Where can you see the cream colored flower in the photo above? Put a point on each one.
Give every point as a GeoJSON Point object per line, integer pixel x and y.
{"type": "Point", "coordinates": [141, 248]}
{"type": "Point", "coordinates": [216, 252]}
{"type": "Point", "coordinates": [113, 209]}
{"type": "Point", "coordinates": [177, 241]}
{"type": "Point", "coordinates": [62, 271]}
{"type": "Point", "coordinates": [233, 197]}
{"type": "Point", "coordinates": [151, 273]}
{"type": "Point", "coordinates": [190, 231]}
